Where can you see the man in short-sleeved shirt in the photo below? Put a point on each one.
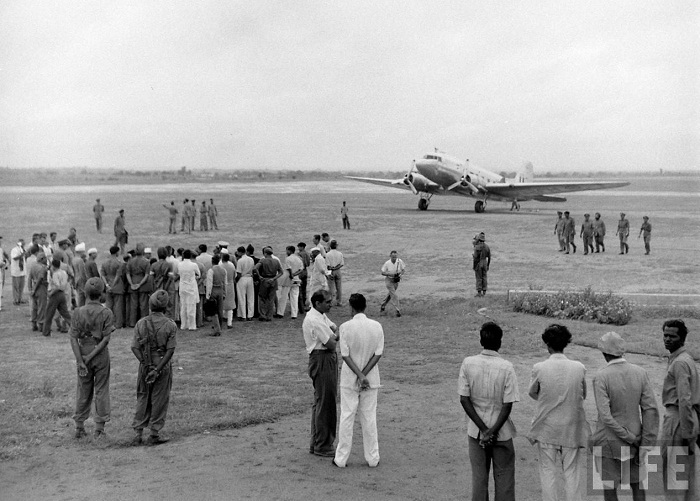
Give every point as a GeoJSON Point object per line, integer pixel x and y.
{"type": "Point", "coordinates": [488, 388]}
{"type": "Point", "coordinates": [361, 346]}
{"type": "Point", "coordinates": [623, 231]}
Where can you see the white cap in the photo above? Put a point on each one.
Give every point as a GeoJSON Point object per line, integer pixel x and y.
{"type": "Point", "coordinates": [224, 251]}
{"type": "Point", "coordinates": [315, 249]}
{"type": "Point", "coordinates": [147, 250]}
{"type": "Point", "coordinates": [80, 247]}
{"type": "Point", "coordinates": [223, 243]}
{"type": "Point", "coordinates": [92, 251]}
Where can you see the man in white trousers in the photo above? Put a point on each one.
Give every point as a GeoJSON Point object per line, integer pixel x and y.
{"type": "Point", "coordinates": [361, 346]}
{"type": "Point", "coordinates": [289, 284]}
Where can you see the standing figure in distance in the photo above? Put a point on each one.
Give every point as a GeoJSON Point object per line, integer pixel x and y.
{"type": "Point", "coordinates": [59, 291]}
{"type": "Point", "coordinates": [680, 430]}
{"type": "Point", "coordinates": [569, 231]}
{"type": "Point", "coordinates": [112, 272]}
{"type": "Point", "coordinates": [38, 285]}
{"type": "Point", "coordinates": [18, 270]}
{"type": "Point", "coordinates": [623, 231]}
{"type": "Point", "coordinates": [645, 231]}
{"type": "Point", "coordinates": [172, 210]}
{"type": "Point", "coordinates": [185, 216]}
{"type": "Point", "coordinates": [488, 388]}
{"type": "Point", "coordinates": [213, 213]}
{"type": "Point", "coordinates": [586, 234]}
{"type": "Point", "coordinates": [244, 285]}
{"type": "Point", "coordinates": [203, 217]}
{"type": "Point", "coordinates": [361, 346]}
{"type": "Point", "coordinates": [622, 393]}
{"type": "Point", "coordinates": [306, 261]}
{"type": "Point", "coordinates": [193, 214]}
{"type": "Point", "coordinates": [599, 232]}
{"type": "Point", "coordinates": [97, 211]}
{"type": "Point", "coordinates": [559, 231]}
{"type": "Point", "coordinates": [481, 263]}
{"type": "Point", "coordinates": [320, 339]}
{"type": "Point", "coordinates": [189, 273]}
{"type": "Point", "coordinates": [289, 284]}
{"type": "Point", "coordinates": [335, 261]}
{"type": "Point", "coordinates": [392, 271]}
{"type": "Point", "coordinates": [120, 232]}
{"type": "Point", "coordinates": [91, 329]}
{"type": "Point", "coordinates": [153, 345]}
{"type": "Point", "coordinates": [559, 428]}
{"type": "Point", "coordinates": [344, 215]}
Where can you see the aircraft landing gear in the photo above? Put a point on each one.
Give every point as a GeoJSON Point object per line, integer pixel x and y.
{"type": "Point", "coordinates": [479, 206]}
{"type": "Point", "coordinates": [424, 202]}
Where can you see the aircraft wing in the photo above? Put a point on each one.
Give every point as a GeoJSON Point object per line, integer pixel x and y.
{"type": "Point", "coordinates": [420, 183]}
{"type": "Point", "coordinates": [537, 191]}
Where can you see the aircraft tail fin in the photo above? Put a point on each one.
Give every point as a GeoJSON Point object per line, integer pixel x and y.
{"type": "Point", "coordinates": [526, 174]}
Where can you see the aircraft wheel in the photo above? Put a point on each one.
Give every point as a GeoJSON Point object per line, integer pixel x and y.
{"type": "Point", "coordinates": [479, 206]}
{"type": "Point", "coordinates": [423, 204]}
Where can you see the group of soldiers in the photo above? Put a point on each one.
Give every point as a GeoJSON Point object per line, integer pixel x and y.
{"type": "Point", "coordinates": [593, 231]}
{"type": "Point", "coordinates": [207, 216]}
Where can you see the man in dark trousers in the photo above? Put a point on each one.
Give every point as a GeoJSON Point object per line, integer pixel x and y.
{"type": "Point", "coordinates": [91, 328]}
{"type": "Point", "coordinates": [153, 345]}
{"type": "Point", "coordinates": [481, 263]}
{"type": "Point", "coordinates": [320, 338]}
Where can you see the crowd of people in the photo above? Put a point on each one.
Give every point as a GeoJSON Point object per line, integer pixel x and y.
{"type": "Point", "coordinates": [593, 232]}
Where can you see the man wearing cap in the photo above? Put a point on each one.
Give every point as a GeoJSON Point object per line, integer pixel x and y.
{"type": "Point", "coordinates": [185, 216]}
{"type": "Point", "coordinates": [137, 272]}
{"type": "Point", "coordinates": [97, 211]}
{"type": "Point", "coordinates": [59, 291]}
{"type": "Point", "coordinates": [153, 345]}
{"type": "Point", "coordinates": [173, 212]}
{"type": "Point", "coordinates": [203, 215]}
{"type": "Point", "coordinates": [599, 232]}
{"type": "Point", "coordinates": [120, 233]}
{"type": "Point", "coordinates": [319, 271]}
{"type": "Point", "coordinates": [269, 270]}
{"type": "Point", "coordinates": [193, 214]}
{"type": "Point", "coordinates": [213, 212]}
{"type": "Point", "coordinates": [559, 231]}
{"type": "Point", "coordinates": [569, 232]}
{"type": "Point", "coordinates": [304, 275]}
{"type": "Point", "coordinates": [392, 271]}
{"type": "Point", "coordinates": [91, 329]}
{"type": "Point", "coordinates": [587, 233]}
{"type": "Point", "coordinates": [481, 263]}
{"type": "Point", "coordinates": [623, 231]}
{"type": "Point", "coordinates": [244, 285]}
{"type": "Point", "coordinates": [680, 430]}
{"type": "Point", "coordinates": [18, 270]}
{"type": "Point", "coordinates": [91, 269]}
{"type": "Point", "coordinates": [79, 273]}
{"type": "Point", "coordinates": [289, 284]}
{"type": "Point", "coordinates": [622, 393]}
{"type": "Point", "coordinates": [646, 231]}
{"type": "Point", "coordinates": [112, 274]}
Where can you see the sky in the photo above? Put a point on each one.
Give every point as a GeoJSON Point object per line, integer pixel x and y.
{"type": "Point", "coordinates": [588, 85]}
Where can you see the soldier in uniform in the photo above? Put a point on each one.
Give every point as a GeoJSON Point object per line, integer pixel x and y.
{"type": "Point", "coordinates": [587, 233]}
{"type": "Point", "coordinates": [112, 273]}
{"type": "Point", "coordinates": [59, 291]}
{"type": "Point", "coordinates": [97, 211]}
{"type": "Point", "coordinates": [38, 286]}
{"type": "Point", "coordinates": [91, 329]}
{"type": "Point", "coordinates": [213, 212]}
{"type": "Point", "coordinates": [173, 217]}
{"type": "Point", "coordinates": [193, 214]}
{"type": "Point", "coordinates": [203, 217]}
{"type": "Point", "coordinates": [569, 231]}
{"type": "Point", "coordinates": [153, 345]}
{"type": "Point", "coordinates": [623, 231]}
{"type": "Point", "coordinates": [185, 216]}
{"type": "Point", "coordinates": [599, 232]}
{"type": "Point", "coordinates": [137, 273]}
{"type": "Point", "coordinates": [559, 231]}
{"type": "Point", "coordinates": [646, 231]}
{"type": "Point", "coordinates": [482, 262]}
{"type": "Point", "coordinates": [120, 232]}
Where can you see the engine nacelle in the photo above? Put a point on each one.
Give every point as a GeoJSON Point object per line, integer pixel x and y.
{"type": "Point", "coordinates": [421, 183]}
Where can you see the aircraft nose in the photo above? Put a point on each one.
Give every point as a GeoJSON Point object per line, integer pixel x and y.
{"type": "Point", "coordinates": [424, 165]}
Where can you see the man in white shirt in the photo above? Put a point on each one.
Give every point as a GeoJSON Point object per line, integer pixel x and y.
{"type": "Point", "coordinates": [335, 261]}
{"type": "Point", "coordinates": [559, 427]}
{"type": "Point", "coordinates": [488, 388]}
{"type": "Point", "coordinates": [244, 285]}
{"type": "Point", "coordinates": [361, 346]}
{"type": "Point", "coordinates": [18, 270]}
{"type": "Point", "coordinates": [320, 339]}
{"type": "Point", "coordinates": [59, 291]}
{"type": "Point", "coordinates": [289, 284]}
{"type": "Point", "coordinates": [392, 271]}
{"type": "Point", "coordinates": [319, 271]}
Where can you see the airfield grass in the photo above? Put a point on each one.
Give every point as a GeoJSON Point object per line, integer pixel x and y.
{"type": "Point", "coordinates": [256, 372]}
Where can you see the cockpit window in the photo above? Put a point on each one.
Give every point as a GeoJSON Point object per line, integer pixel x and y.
{"type": "Point", "coordinates": [433, 157]}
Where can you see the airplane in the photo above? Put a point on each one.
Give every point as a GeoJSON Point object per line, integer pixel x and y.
{"type": "Point", "coordinates": [440, 174]}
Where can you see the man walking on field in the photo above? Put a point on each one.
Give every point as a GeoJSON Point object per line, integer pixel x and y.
{"type": "Point", "coordinates": [361, 346]}
{"type": "Point", "coordinates": [97, 211]}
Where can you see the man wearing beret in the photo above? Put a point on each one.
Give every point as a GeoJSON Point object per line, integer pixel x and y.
{"type": "Point", "coordinates": [621, 391]}
{"type": "Point", "coordinates": [646, 231]}
{"type": "Point", "coordinates": [91, 328]}
{"type": "Point", "coordinates": [587, 233]}
{"type": "Point", "coordinates": [153, 345]}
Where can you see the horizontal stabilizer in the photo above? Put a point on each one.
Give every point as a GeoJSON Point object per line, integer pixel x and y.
{"type": "Point", "coordinates": [546, 198]}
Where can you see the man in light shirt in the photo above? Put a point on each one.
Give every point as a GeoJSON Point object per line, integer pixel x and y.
{"type": "Point", "coordinates": [392, 271]}
{"type": "Point", "coordinates": [289, 284]}
{"type": "Point", "coordinates": [59, 291]}
{"type": "Point", "coordinates": [244, 285]}
{"type": "Point", "coordinates": [559, 427]}
{"type": "Point", "coordinates": [320, 339]}
{"type": "Point", "coordinates": [488, 388]}
{"type": "Point", "coordinates": [18, 270]}
{"type": "Point", "coordinates": [319, 271]}
{"type": "Point", "coordinates": [621, 391]}
{"type": "Point", "coordinates": [335, 261]}
{"type": "Point", "coordinates": [361, 346]}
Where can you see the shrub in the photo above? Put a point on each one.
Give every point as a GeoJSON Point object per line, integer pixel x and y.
{"type": "Point", "coordinates": [586, 305]}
